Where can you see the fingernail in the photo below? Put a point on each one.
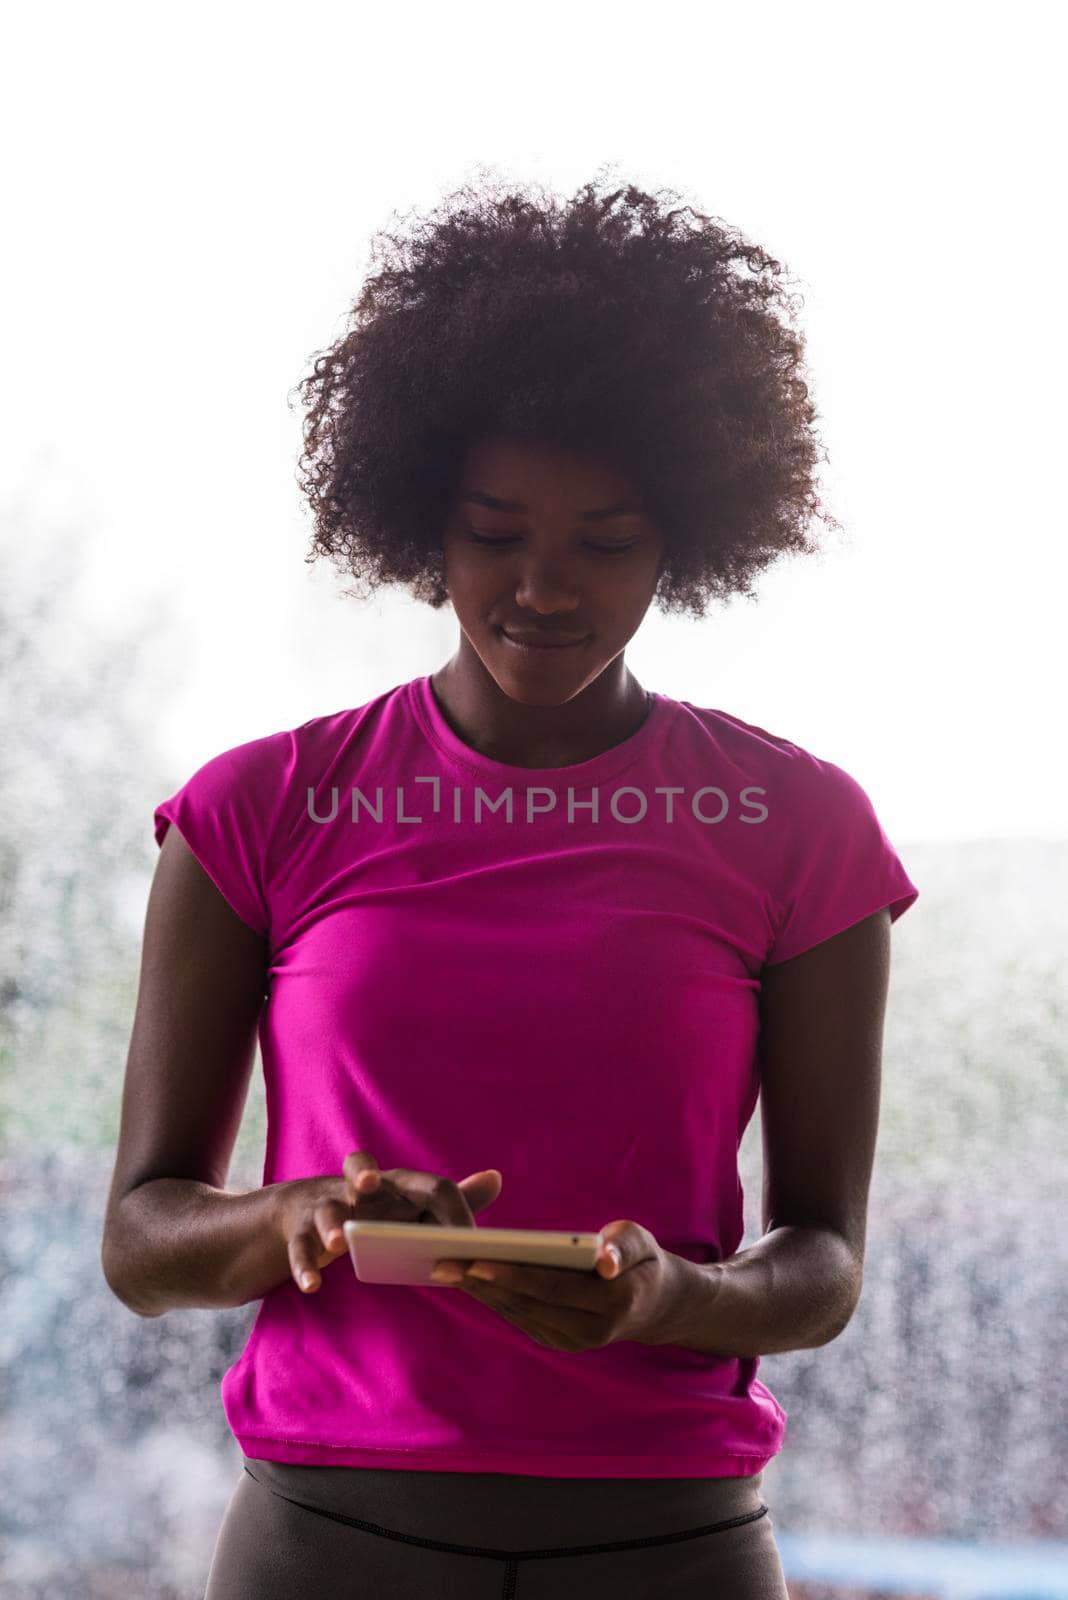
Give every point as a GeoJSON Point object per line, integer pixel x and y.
{"type": "Point", "coordinates": [308, 1280]}
{"type": "Point", "coordinates": [446, 1275]}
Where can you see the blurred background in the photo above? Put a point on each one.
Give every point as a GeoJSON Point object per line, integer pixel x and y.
{"type": "Point", "coordinates": [189, 198]}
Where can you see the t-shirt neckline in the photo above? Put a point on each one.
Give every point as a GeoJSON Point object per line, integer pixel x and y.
{"type": "Point", "coordinates": [604, 765]}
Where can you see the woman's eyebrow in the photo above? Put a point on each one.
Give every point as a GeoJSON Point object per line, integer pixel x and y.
{"type": "Point", "coordinates": [492, 502]}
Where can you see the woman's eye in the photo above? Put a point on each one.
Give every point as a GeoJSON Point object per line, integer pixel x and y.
{"type": "Point", "coordinates": [602, 549]}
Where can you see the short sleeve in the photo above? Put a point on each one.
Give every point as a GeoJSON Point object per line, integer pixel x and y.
{"type": "Point", "coordinates": [842, 869]}
{"type": "Point", "coordinates": [224, 813]}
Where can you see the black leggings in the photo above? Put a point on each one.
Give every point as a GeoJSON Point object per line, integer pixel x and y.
{"type": "Point", "coordinates": [350, 1533]}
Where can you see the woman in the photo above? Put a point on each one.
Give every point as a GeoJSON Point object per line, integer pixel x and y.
{"type": "Point", "coordinates": [522, 937]}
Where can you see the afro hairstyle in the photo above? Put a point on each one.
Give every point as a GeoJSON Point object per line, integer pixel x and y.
{"type": "Point", "coordinates": [619, 323]}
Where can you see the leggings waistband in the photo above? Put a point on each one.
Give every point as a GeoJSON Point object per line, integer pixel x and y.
{"type": "Point", "coordinates": [495, 1554]}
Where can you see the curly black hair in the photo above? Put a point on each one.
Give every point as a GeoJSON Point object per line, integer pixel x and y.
{"type": "Point", "coordinates": [609, 325]}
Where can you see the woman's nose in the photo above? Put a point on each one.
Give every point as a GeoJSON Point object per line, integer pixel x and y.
{"type": "Point", "coordinates": [545, 585]}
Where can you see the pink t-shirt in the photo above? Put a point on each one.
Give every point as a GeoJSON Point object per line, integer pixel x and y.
{"type": "Point", "coordinates": [569, 997]}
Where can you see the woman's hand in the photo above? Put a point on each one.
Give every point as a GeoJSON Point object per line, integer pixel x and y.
{"type": "Point", "coordinates": [630, 1293]}
{"type": "Point", "coordinates": [312, 1210]}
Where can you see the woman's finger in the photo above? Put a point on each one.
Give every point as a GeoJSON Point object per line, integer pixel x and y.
{"type": "Point", "coordinates": [420, 1193]}
{"type": "Point", "coordinates": [428, 1192]}
{"type": "Point", "coordinates": [329, 1216]}
{"type": "Point", "coordinates": [303, 1258]}
{"type": "Point", "coordinates": [354, 1168]}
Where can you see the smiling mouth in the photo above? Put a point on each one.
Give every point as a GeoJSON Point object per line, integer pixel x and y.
{"type": "Point", "coordinates": [532, 642]}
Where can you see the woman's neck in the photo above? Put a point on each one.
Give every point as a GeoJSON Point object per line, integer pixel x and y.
{"type": "Point", "coordinates": [604, 714]}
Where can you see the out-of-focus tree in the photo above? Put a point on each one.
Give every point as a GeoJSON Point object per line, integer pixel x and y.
{"type": "Point", "coordinates": [72, 841]}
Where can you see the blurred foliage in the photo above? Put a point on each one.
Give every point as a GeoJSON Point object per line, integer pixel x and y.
{"type": "Point", "coordinates": [80, 778]}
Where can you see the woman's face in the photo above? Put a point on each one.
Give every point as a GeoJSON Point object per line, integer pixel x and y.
{"type": "Point", "coordinates": [554, 560]}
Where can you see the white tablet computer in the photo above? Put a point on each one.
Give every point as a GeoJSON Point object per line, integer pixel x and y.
{"type": "Point", "coordinates": [407, 1252]}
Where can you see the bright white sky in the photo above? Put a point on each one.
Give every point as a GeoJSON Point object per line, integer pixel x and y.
{"type": "Point", "coordinates": [191, 194]}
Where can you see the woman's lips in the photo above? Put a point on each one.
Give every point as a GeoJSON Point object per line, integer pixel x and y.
{"type": "Point", "coordinates": [532, 647]}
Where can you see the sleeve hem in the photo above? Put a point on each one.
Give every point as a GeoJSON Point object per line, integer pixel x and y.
{"type": "Point", "coordinates": [163, 822]}
{"type": "Point", "coordinates": [897, 906]}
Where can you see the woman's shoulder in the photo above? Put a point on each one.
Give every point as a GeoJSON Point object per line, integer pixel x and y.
{"type": "Point", "coordinates": [793, 767]}
{"type": "Point", "coordinates": [292, 746]}
{"type": "Point", "coordinates": [735, 733]}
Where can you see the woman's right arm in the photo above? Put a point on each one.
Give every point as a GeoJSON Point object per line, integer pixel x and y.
{"type": "Point", "coordinates": [174, 1236]}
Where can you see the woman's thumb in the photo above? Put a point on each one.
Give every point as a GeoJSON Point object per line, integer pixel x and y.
{"type": "Point", "coordinates": [481, 1188]}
